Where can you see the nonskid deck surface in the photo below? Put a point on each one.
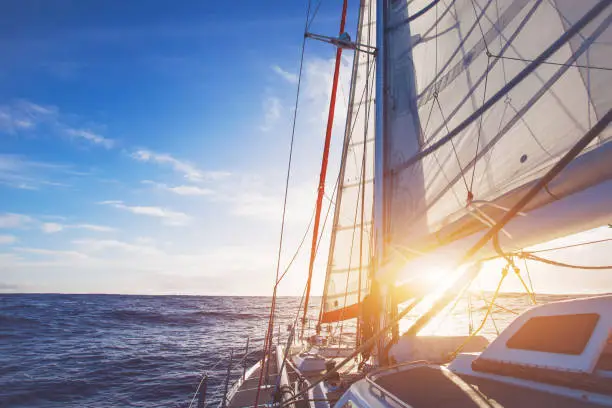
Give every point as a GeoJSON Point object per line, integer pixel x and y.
{"type": "Point", "coordinates": [247, 392]}
{"type": "Point", "coordinates": [427, 387]}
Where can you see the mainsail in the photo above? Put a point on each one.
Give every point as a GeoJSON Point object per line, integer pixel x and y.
{"type": "Point", "coordinates": [463, 53]}
{"type": "Point", "coordinates": [463, 137]}
{"type": "Point", "coordinates": [350, 255]}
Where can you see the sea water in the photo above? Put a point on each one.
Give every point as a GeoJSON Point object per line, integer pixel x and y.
{"type": "Point", "coordinates": [151, 351]}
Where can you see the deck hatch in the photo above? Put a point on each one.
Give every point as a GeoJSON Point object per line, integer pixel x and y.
{"type": "Point", "coordinates": [561, 334]}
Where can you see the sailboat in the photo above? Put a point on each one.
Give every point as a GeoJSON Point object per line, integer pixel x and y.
{"type": "Point", "coordinates": [475, 129]}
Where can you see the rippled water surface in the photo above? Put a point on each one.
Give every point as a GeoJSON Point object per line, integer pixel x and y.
{"type": "Point", "coordinates": [146, 351]}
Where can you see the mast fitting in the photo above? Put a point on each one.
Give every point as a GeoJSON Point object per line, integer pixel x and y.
{"type": "Point", "coordinates": [343, 41]}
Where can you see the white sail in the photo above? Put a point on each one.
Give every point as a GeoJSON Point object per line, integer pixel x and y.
{"type": "Point", "coordinates": [346, 280]}
{"type": "Point", "coordinates": [458, 49]}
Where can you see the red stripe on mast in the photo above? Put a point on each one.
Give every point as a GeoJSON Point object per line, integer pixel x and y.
{"type": "Point", "coordinates": [330, 124]}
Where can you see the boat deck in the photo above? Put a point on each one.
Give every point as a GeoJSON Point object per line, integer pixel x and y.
{"type": "Point", "coordinates": [247, 391]}
{"type": "Point", "coordinates": [414, 387]}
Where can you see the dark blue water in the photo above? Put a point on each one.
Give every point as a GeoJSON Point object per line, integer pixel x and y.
{"type": "Point", "coordinates": [121, 351]}
{"type": "Point", "coordinates": [139, 351]}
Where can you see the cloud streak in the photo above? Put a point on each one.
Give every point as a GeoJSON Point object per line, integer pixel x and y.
{"type": "Point", "coordinates": [7, 239]}
{"type": "Point", "coordinates": [189, 171]}
{"type": "Point", "coordinates": [272, 113]}
{"type": "Point", "coordinates": [53, 227]}
{"type": "Point", "coordinates": [26, 116]}
{"type": "Point", "coordinates": [184, 190]}
{"type": "Point", "coordinates": [91, 137]}
{"type": "Point", "coordinates": [19, 172]}
{"type": "Point", "coordinates": [51, 252]}
{"type": "Point", "coordinates": [11, 220]}
{"type": "Point", "coordinates": [287, 76]}
{"type": "Point", "coordinates": [168, 217]}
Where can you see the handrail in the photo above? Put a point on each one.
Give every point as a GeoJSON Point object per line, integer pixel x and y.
{"type": "Point", "coordinates": [201, 389]}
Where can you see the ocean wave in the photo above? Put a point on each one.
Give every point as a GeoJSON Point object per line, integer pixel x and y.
{"type": "Point", "coordinates": [131, 315]}
{"type": "Point", "coordinates": [118, 351]}
{"type": "Point", "coordinates": [15, 320]}
{"type": "Point", "coordinates": [226, 315]}
{"type": "Point", "coordinates": [151, 317]}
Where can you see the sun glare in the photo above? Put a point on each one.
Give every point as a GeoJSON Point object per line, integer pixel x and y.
{"type": "Point", "coordinates": [439, 280]}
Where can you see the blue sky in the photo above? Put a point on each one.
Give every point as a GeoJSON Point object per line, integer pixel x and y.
{"type": "Point", "coordinates": [143, 145]}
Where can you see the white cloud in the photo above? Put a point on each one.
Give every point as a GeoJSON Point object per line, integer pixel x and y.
{"type": "Point", "coordinates": [10, 220]}
{"type": "Point", "coordinates": [287, 76]}
{"type": "Point", "coordinates": [51, 227]}
{"type": "Point", "coordinates": [190, 190]}
{"type": "Point", "coordinates": [19, 172]}
{"type": "Point", "coordinates": [169, 217]}
{"type": "Point", "coordinates": [91, 137]}
{"type": "Point", "coordinates": [99, 245]}
{"type": "Point", "coordinates": [25, 116]}
{"type": "Point", "coordinates": [185, 190]}
{"type": "Point", "coordinates": [318, 77]}
{"type": "Point", "coordinates": [189, 170]}
{"type": "Point", "coordinates": [93, 227]}
{"type": "Point", "coordinates": [113, 266]}
{"type": "Point", "coordinates": [272, 113]}
{"type": "Point", "coordinates": [7, 239]}
{"type": "Point", "coordinates": [51, 252]}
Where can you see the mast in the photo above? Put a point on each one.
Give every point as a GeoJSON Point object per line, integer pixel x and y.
{"type": "Point", "coordinates": [322, 176]}
{"type": "Point", "coordinates": [379, 151]}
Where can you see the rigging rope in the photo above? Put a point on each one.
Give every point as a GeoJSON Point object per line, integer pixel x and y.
{"type": "Point", "coordinates": [554, 47]}
{"type": "Point", "coordinates": [505, 309]}
{"type": "Point", "coordinates": [297, 250]}
{"type": "Point", "coordinates": [363, 97]}
{"type": "Point", "coordinates": [452, 143]}
{"type": "Point", "coordinates": [484, 98]}
{"type": "Point", "coordinates": [314, 14]}
{"type": "Point", "coordinates": [527, 255]}
{"type": "Point", "coordinates": [515, 268]}
{"type": "Point", "coordinates": [570, 246]}
{"type": "Point", "coordinates": [580, 145]}
{"type": "Point", "coordinates": [268, 339]}
{"type": "Point", "coordinates": [360, 193]}
{"type": "Point", "coordinates": [530, 282]}
{"type": "Point", "coordinates": [299, 309]}
{"type": "Point", "coordinates": [324, 161]}
{"type": "Point", "coordinates": [484, 319]}
{"type": "Point", "coordinates": [355, 353]}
